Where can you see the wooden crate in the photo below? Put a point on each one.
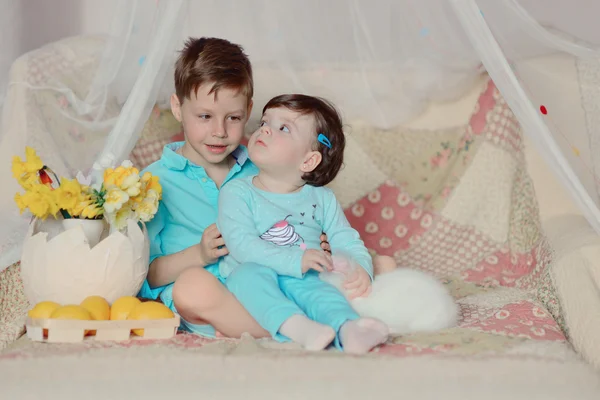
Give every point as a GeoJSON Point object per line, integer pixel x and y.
{"type": "Point", "coordinates": [73, 331]}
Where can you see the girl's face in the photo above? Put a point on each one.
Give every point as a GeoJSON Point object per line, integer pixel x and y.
{"type": "Point", "coordinates": [282, 145]}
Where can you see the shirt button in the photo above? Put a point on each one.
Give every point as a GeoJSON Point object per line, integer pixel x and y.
{"type": "Point", "coordinates": [203, 180]}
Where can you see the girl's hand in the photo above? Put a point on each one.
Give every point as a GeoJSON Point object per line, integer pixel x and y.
{"type": "Point", "coordinates": [318, 260]}
{"type": "Point", "coordinates": [324, 243]}
{"type": "Point", "coordinates": [358, 283]}
{"type": "Point", "coordinates": [212, 245]}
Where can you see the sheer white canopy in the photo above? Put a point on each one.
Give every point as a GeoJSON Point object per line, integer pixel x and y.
{"type": "Point", "coordinates": [380, 61]}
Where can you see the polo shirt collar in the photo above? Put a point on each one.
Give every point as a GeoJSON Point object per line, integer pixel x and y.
{"type": "Point", "coordinates": [175, 161]}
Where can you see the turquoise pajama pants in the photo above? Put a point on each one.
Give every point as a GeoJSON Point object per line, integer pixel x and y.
{"type": "Point", "coordinates": [271, 299]}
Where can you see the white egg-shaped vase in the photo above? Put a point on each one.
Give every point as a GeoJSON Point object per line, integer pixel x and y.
{"type": "Point", "coordinates": [61, 265]}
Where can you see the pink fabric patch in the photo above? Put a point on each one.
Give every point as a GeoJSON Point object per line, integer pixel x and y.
{"type": "Point", "coordinates": [388, 220]}
{"type": "Point", "coordinates": [485, 103]}
{"type": "Point", "coordinates": [523, 319]}
{"type": "Point", "coordinates": [502, 268]}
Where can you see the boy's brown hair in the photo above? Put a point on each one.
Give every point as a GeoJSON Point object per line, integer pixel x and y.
{"type": "Point", "coordinates": [327, 122]}
{"type": "Point", "coordinates": [212, 60]}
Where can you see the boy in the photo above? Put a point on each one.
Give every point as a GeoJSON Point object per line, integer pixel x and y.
{"type": "Point", "coordinates": [213, 101]}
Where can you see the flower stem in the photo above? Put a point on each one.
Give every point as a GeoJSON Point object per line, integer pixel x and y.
{"type": "Point", "coordinates": [65, 214]}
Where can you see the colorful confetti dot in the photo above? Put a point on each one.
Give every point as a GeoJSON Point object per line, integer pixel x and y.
{"type": "Point", "coordinates": [424, 32]}
{"type": "Point", "coordinates": [576, 151]}
{"type": "Point", "coordinates": [141, 60]}
{"type": "Point", "coordinates": [543, 110]}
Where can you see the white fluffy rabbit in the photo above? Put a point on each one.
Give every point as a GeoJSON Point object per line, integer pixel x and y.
{"type": "Point", "coordinates": [407, 300]}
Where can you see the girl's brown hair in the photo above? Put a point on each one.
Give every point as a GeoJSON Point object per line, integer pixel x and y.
{"type": "Point", "coordinates": [327, 122]}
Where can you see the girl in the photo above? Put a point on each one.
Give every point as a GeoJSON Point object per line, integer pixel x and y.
{"type": "Point", "coordinates": [272, 222]}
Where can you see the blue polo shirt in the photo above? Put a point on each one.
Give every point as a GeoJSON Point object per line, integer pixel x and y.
{"type": "Point", "coordinates": [189, 203]}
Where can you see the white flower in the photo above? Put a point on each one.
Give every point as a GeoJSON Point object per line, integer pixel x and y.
{"type": "Point", "coordinates": [131, 184]}
{"type": "Point", "coordinates": [152, 195]}
{"type": "Point", "coordinates": [83, 180]}
{"type": "Point", "coordinates": [146, 210]}
{"type": "Point", "coordinates": [119, 219]}
{"type": "Point", "coordinates": [127, 164]}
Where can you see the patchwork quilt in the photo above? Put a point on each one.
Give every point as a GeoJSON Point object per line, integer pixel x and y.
{"type": "Point", "coordinates": [457, 203]}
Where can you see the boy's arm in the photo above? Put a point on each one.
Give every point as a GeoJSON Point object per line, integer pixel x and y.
{"type": "Point", "coordinates": [342, 237]}
{"type": "Point", "coordinates": [164, 269]}
{"type": "Point", "coordinates": [236, 224]}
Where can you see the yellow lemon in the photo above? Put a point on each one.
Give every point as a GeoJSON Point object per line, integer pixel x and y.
{"type": "Point", "coordinates": [71, 312]}
{"type": "Point", "coordinates": [149, 310]}
{"type": "Point", "coordinates": [97, 306]}
{"type": "Point", "coordinates": [43, 310]}
{"type": "Point", "coordinates": [122, 307]}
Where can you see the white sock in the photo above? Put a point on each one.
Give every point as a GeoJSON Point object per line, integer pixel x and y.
{"type": "Point", "coordinates": [310, 334]}
{"type": "Point", "coordinates": [361, 335]}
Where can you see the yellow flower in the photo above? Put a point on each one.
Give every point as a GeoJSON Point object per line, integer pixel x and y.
{"type": "Point", "coordinates": [132, 187]}
{"type": "Point", "coordinates": [91, 211]}
{"type": "Point", "coordinates": [22, 201]}
{"type": "Point", "coordinates": [152, 196]}
{"type": "Point", "coordinates": [39, 199]}
{"type": "Point", "coordinates": [145, 210]}
{"type": "Point", "coordinates": [28, 180]}
{"type": "Point", "coordinates": [80, 206]}
{"type": "Point", "coordinates": [151, 182]}
{"type": "Point", "coordinates": [148, 182]}
{"type": "Point", "coordinates": [125, 177]}
{"type": "Point", "coordinates": [109, 176]}
{"type": "Point", "coordinates": [114, 199]}
{"type": "Point", "coordinates": [48, 196]}
{"type": "Point", "coordinates": [26, 172]}
{"type": "Point", "coordinates": [88, 205]}
{"type": "Point", "coordinates": [119, 218]}
{"type": "Point", "coordinates": [69, 195]}
{"type": "Point", "coordinates": [33, 163]}
{"type": "Point", "coordinates": [18, 167]}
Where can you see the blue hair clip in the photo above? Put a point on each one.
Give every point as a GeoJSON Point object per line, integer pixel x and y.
{"type": "Point", "coordinates": [323, 139]}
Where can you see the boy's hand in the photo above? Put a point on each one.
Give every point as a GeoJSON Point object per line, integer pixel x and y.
{"type": "Point", "coordinates": [358, 283]}
{"type": "Point", "coordinates": [324, 243]}
{"type": "Point", "coordinates": [212, 245]}
{"type": "Point", "coordinates": [317, 260]}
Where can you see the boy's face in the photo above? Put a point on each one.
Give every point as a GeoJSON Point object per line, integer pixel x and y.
{"type": "Point", "coordinates": [213, 124]}
{"type": "Point", "coordinates": [282, 146]}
